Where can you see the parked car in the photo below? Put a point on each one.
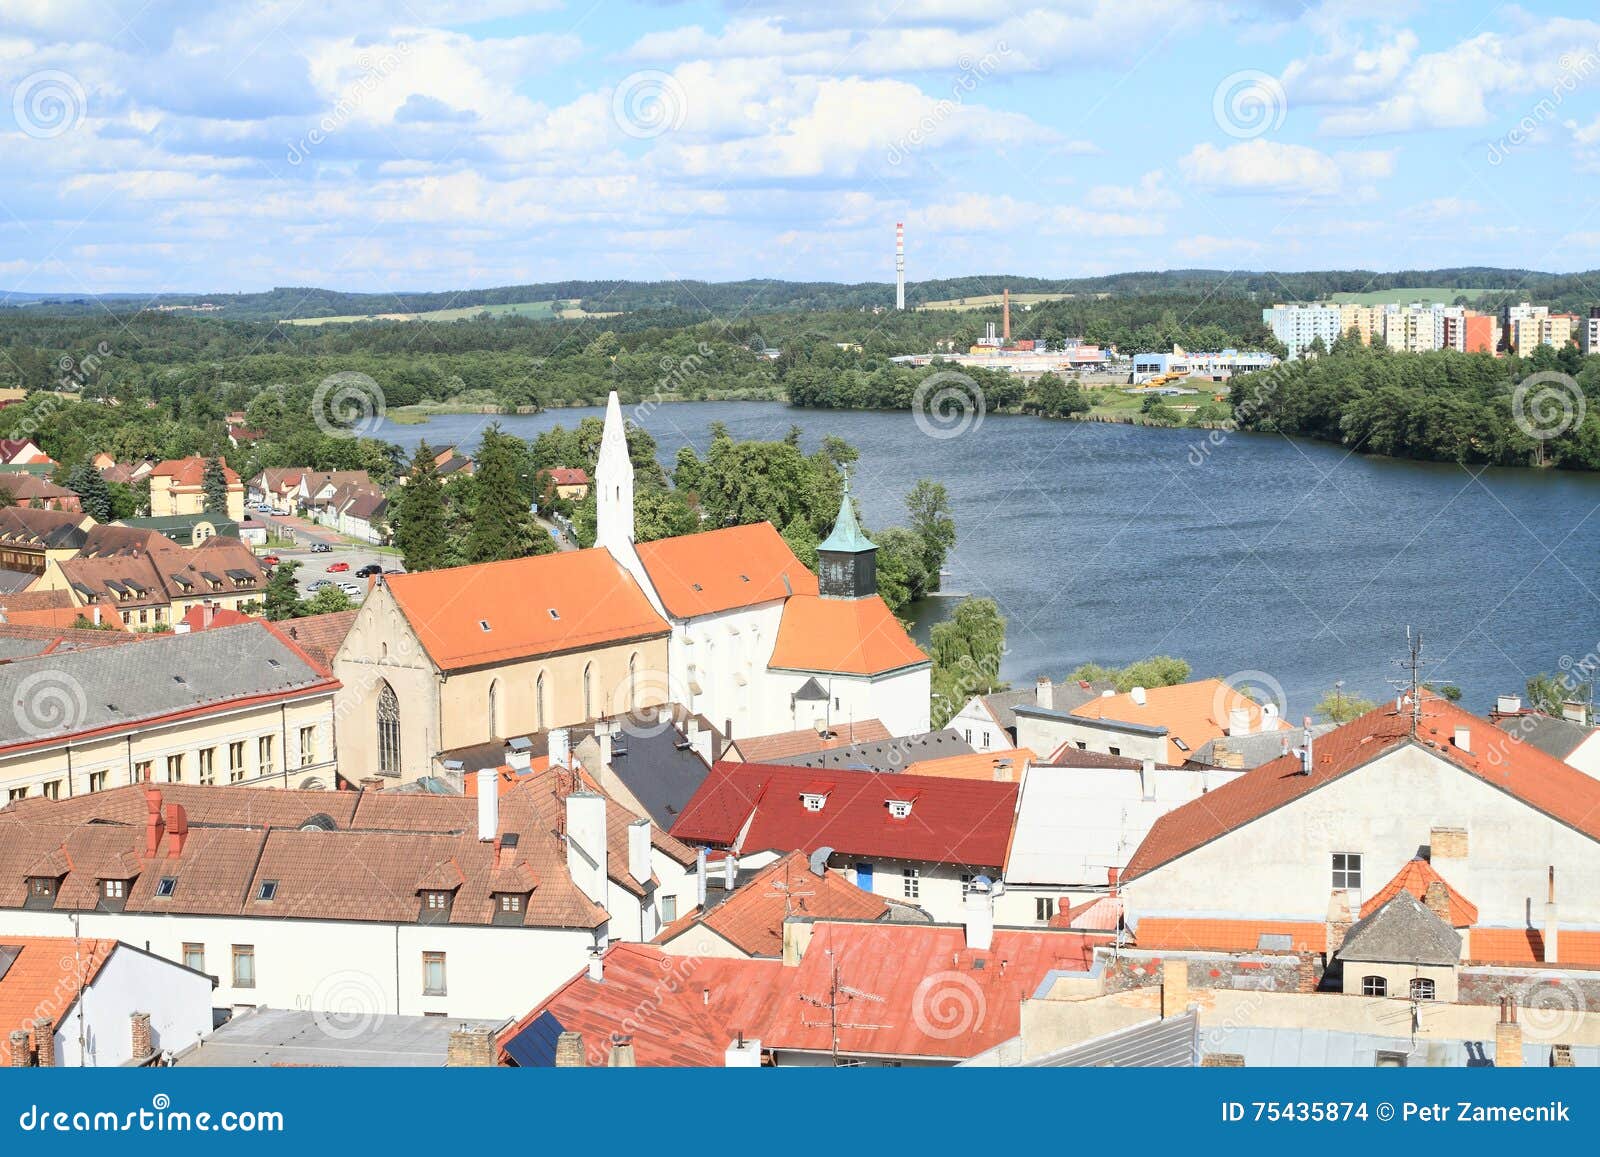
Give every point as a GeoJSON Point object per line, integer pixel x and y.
{"type": "Point", "coordinates": [271, 559]}
{"type": "Point", "coordinates": [369, 570]}
{"type": "Point", "coordinates": [321, 548]}
{"type": "Point", "coordinates": [316, 586]}
{"type": "Point", "coordinates": [352, 589]}
{"type": "Point", "coordinates": [338, 567]}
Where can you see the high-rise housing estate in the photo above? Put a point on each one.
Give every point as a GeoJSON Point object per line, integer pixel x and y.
{"type": "Point", "coordinates": [1589, 332]}
{"type": "Point", "coordinates": [1366, 320]}
{"type": "Point", "coordinates": [1530, 326]}
{"type": "Point", "coordinates": [1297, 326]}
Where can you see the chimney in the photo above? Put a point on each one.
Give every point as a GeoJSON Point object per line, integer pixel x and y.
{"type": "Point", "coordinates": [602, 738]}
{"type": "Point", "coordinates": [1147, 779]}
{"type": "Point", "coordinates": [700, 879]}
{"type": "Point", "coordinates": [97, 614]}
{"type": "Point", "coordinates": [742, 1054]}
{"type": "Point", "coordinates": [1508, 1036]}
{"type": "Point", "coordinates": [560, 747]}
{"type": "Point", "coordinates": [1238, 721]}
{"type": "Point", "coordinates": [208, 613]}
{"type": "Point", "coordinates": [1436, 896]}
{"type": "Point", "coordinates": [1463, 738]}
{"type": "Point", "coordinates": [586, 844]}
{"type": "Point", "coordinates": [1174, 987]}
{"type": "Point", "coordinates": [1114, 879]}
{"type": "Point", "coordinates": [372, 783]}
{"type": "Point", "coordinates": [1307, 755]}
{"type": "Point", "coordinates": [1005, 315]}
{"type": "Point", "coordinates": [1574, 712]}
{"type": "Point", "coordinates": [519, 753]}
{"type": "Point", "coordinates": [1138, 696]}
{"type": "Point", "coordinates": [44, 1042]}
{"type": "Point", "coordinates": [621, 1052]}
{"type": "Point", "coordinates": [597, 965]}
{"type": "Point", "coordinates": [639, 851]}
{"type": "Point", "coordinates": [1044, 693]}
{"type": "Point", "coordinates": [139, 1026]}
{"type": "Point", "coordinates": [569, 1051]}
{"type": "Point", "coordinates": [730, 871]}
{"type": "Point", "coordinates": [177, 829]}
{"type": "Point", "coordinates": [1508, 704]}
{"type": "Point", "coordinates": [702, 740]}
{"type": "Point", "coordinates": [154, 826]}
{"type": "Point", "coordinates": [21, 1054]}
{"type": "Point", "coordinates": [796, 938]}
{"type": "Point", "coordinates": [719, 744]}
{"type": "Point", "coordinates": [979, 915]}
{"type": "Point", "coordinates": [488, 803]}
{"type": "Point", "coordinates": [1550, 954]}
{"type": "Point", "coordinates": [470, 1047]}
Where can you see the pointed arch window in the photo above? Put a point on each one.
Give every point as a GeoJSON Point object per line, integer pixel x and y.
{"type": "Point", "coordinates": [388, 730]}
{"type": "Point", "coordinates": [494, 709]}
{"type": "Point", "coordinates": [588, 690]}
{"type": "Point", "coordinates": [633, 682]}
{"type": "Point", "coordinates": [538, 702]}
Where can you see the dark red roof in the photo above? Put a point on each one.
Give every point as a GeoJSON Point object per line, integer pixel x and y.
{"type": "Point", "coordinates": [954, 821]}
{"type": "Point", "coordinates": [1499, 759]}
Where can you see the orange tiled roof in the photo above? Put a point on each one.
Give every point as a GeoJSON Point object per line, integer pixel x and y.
{"type": "Point", "coordinates": [191, 471]}
{"type": "Point", "coordinates": [1526, 946]}
{"type": "Point", "coordinates": [720, 570]}
{"type": "Point", "coordinates": [752, 918]}
{"type": "Point", "coordinates": [1183, 932]}
{"type": "Point", "coordinates": [543, 605]}
{"type": "Point", "coordinates": [47, 967]}
{"type": "Point", "coordinates": [1005, 766]}
{"type": "Point", "coordinates": [1499, 759]}
{"type": "Point", "coordinates": [1194, 712]}
{"type": "Point", "coordinates": [1415, 878]}
{"type": "Point", "coordinates": [843, 636]}
{"type": "Point", "coordinates": [782, 744]}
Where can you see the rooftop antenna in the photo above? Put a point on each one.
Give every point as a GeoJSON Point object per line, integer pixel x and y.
{"type": "Point", "coordinates": [786, 889]}
{"type": "Point", "coordinates": [1411, 685]}
{"type": "Point", "coordinates": [839, 996]}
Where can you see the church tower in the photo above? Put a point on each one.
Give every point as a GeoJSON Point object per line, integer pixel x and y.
{"type": "Point", "coordinates": [613, 479]}
{"type": "Point", "coordinates": [847, 561]}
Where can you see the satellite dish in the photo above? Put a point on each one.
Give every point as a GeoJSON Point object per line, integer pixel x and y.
{"type": "Point", "coordinates": [819, 861]}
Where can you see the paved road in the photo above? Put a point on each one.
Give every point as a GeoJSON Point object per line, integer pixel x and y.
{"type": "Point", "coordinates": [314, 566]}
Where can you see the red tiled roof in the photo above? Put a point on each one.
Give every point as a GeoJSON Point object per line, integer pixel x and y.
{"type": "Point", "coordinates": [320, 636]}
{"type": "Point", "coordinates": [720, 570]}
{"type": "Point", "coordinates": [190, 471]}
{"type": "Point", "coordinates": [954, 821]}
{"type": "Point", "coordinates": [752, 918]}
{"type": "Point", "coordinates": [569, 476]}
{"type": "Point", "coordinates": [1501, 760]}
{"type": "Point", "coordinates": [843, 636]}
{"type": "Point", "coordinates": [543, 605]}
{"type": "Point", "coordinates": [781, 745]}
{"type": "Point", "coordinates": [1415, 878]}
{"type": "Point", "coordinates": [44, 979]}
{"type": "Point", "coordinates": [1196, 934]}
{"type": "Point", "coordinates": [1101, 914]}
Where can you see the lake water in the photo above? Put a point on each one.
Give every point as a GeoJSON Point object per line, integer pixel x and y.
{"type": "Point", "coordinates": [1262, 554]}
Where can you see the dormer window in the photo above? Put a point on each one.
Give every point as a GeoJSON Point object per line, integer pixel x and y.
{"type": "Point", "coordinates": [436, 901]}
{"type": "Point", "coordinates": [509, 907]}
{"type": "Point", "coordinates": [41, 892]}
{"type": "Point", "coordinates": [114, 889]}
{"type": "Point", "coordinates": [899, 808]}
{"type": "Point", "coordinates": [815, 797]}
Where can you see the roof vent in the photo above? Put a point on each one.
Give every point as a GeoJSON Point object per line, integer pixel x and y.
{"type": "Point", "coordinates": [483, 625]}
{"type": "Point", "coordinates": [554, 614]}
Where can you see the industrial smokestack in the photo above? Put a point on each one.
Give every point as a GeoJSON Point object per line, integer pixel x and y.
{"type": "Point", "coordinates": [899, 265]}
{"type": "Point", "coordinates": [1005, 331]}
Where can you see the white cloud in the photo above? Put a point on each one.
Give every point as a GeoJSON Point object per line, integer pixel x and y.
{"type": "Point", "coordinates": [1149, 195]}
{"type": "Point", "coordinates": [1266, 166]}
{"type": "Point", "coordinates": [1204, 246]}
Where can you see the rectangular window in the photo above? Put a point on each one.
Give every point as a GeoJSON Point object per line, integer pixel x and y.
{"type": "Point", "coordinates": [174, 769]}
{"type": "Point", "coordinates": [16, 793]}
{"type": "Point", "coordinates": [244, 965]}
{"type": "Point", "coordinates": [967, 881]}
{"type": "Point", "coordinates": [264, 755]}
{"type": "Point", "coordinates": [194, 956]}
{"type": "Point", "coordinates": [911, 883]}
{"type": "Point", "coordinates": [208, 765]}
{"type": "Point", "coordinates": [1044, 909]}
{"type": "Point", "coordinates": [510, 903]}
{"type": "Point", "coordinates": [1114, 751]}
{"type": "Point", "coordinates": [115, 889]}
{"type": "Point", "coordinates": [433, 980]}
{"type": "Point", "coordinates": [236, 761]}
{"type": "Point", "coordinates": [52, 789]}
{"type": "Point", "coordinates": [1347, 870]}
{"type": "Point", "coordinates": [968, 735]}
{"type": "Point", "coordinates": [1374, 986]}
{"type": "Point", "coordinates": [141, 771]}
{"type": "Point", "coordinates": [98, 779]}
{"type": "Point", "coordinates": [438, 901]}
{"type": "Point", "coordinates": [308, 746]}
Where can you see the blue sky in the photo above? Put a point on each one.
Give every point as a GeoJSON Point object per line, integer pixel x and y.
{"type": "Point", "coordinates": [369, 146]}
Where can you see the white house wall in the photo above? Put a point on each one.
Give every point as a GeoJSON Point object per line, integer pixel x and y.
{"type": "Point", "coordinates": [98, 1033]}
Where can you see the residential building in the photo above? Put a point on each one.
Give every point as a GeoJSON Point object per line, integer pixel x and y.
{"type": "Point", "coordinates": [278, 487]}
{"type": "Point", "coordinates": [1296, 326]}
{"type": "Point", "coordinates": [268, 1038]}
{"type": "Point", "coordinates": [1164, 724]}
{"type": "Point", "coordinates": [152, 581]}
{"type": "Point", "coordinates": [233, 705]}
{"type": "Point", "coordinates": [570, 482]}
{"type": "Point", "coordinates": [475, 654]}
{"type": "Point", "coordinates": [1482, 334]}
{"type": "Point", "coordinates": [394, 903]}
{"type": "Point", "coordinates": [30, 539]}
{"type": "Point", "coordinates": [38, 492]}
{"type": "Point", "coordinates": [1366, 320]}
{"type": "Point", "coordinates": [24, 452]}
{"type": "Point", "coordinates": [924, 841]}
{"type": "Point", "coordinates": [186, 529]}
{"type": "Point", "coordinates": [1570, 737]}
{"type": "Point", "coordinates": [1589, 332]}
{"type": "Point", "coordinates": [177, 486]}
{"type": "Point", "coordinates": [989, 722]}
{"type": "Point", "coordinates": [1528, 327]}
{"type": "Point", "coordinates": [449, 465]}
{"type": "Point", "coordinates": [73, 1002]}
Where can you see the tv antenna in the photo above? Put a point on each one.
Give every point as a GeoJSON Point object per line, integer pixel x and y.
{"type": "Point", "coordinates": [840, 995]}
{"type": "Point", "coordinates": [1409, 701]}
{"type": "Point", "coordinates": [786, 889]}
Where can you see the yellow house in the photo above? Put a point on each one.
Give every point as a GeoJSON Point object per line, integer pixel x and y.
{"type": "Point", "coordinates": [450, 658]}
{"type": "Point", "coordinates": [232, 705]}
{"type": "Point", "coordinates": [177, 486]}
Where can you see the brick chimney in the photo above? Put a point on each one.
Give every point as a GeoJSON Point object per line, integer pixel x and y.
{"type": "Point", "coordinates": [140, 1027]}
{"type": "Point", "coordinates": [21, 1054]}
{"type": "Point", "coordinates": [1508, 1036]}
{"type": "Point", "coordinates": [471, 1048]}
{"type": "Point", "coordinates": [44, 1042]}
{"type": "Point", "coordinates": [177, 829]}
{"type": "Point", "coordinates": [154, 825]}
{"type": "Point", "coordinates": [1437, 898]}
{"type": "Point", "coordinates": [569, 1051]}
{"type": "Point", "coordinates": [621, 1052]}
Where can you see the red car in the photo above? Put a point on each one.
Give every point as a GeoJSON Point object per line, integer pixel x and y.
{"type": "Point", "coordinates": [338, 567]}
{"type": "Point", "coordinates": [271, 559]}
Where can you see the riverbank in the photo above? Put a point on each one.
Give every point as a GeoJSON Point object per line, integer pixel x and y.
{"type": "Point", "coordinates": [422, 412]}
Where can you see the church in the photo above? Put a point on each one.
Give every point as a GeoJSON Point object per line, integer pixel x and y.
{"type": "Point", "coordinates": [726, 622]}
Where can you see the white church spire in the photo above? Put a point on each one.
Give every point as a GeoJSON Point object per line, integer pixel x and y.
{"type": "Point", "coordinates": [613, 477]}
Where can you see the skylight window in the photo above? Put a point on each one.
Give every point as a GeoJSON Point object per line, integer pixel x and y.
{"type": "Point", "coordinates": [483, 625]}
{"type": "Point", "coordinates": [554, 614]}
{"type": "Point", "coordinates": [268, 890]}
{"type": "Point", "coordinates": [166, 886]}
